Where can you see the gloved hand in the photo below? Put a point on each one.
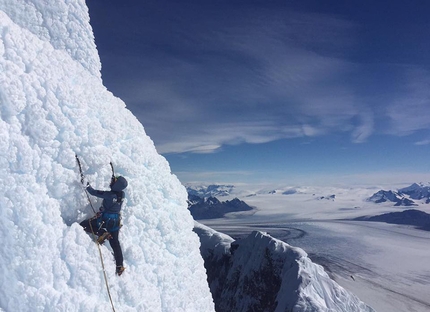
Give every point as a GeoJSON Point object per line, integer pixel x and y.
{"type": "Point", "coordinates": [85, 182]}
{"type": "Point", "coordinates": [99, 213]}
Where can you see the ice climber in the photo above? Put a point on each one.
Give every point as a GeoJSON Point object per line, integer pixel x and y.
{"type": "Point", "coordinates": [107, 222]}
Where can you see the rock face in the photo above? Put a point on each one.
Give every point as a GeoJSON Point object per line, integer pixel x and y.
{"type": "Point", "coordinates": [414, 217]}
{"type": "Point", "coordinates": [404, 196]}
{"type": "Point", "coordinates": [211, 207]}
{"type": "Point", "coordinates": [261, 273]}
{"type": "Point", "coordinates": [417, 191]}
{"type": "Point", "coordinates": [391, 196]}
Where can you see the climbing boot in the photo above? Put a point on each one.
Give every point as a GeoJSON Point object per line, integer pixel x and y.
{"type": "Point", "coordinates": [119, 270]}
{"type": "Point", "coordinates": [102, 238]}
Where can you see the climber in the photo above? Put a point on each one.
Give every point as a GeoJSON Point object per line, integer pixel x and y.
{"type": "Point", "coordinates": [107, 222]}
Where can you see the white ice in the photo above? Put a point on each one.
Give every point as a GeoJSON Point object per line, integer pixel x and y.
{"type": "Point", "coordinates": [304, 285]}
{"type": "Point", "coordinates": [53, 105]}
{"type": "Point", "coordinates": [385, 265]}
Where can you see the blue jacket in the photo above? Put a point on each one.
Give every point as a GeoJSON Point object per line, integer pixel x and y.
{"type": "Point", "coordinates": [112, 200]}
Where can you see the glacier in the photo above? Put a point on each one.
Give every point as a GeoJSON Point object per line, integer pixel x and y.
{"type": "Point", "coordinates": [53, 105]}
{"type": "Point", "coordinates": [262, 273]}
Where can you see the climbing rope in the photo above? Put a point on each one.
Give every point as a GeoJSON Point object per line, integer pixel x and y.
{"type": "Point", "coordinates": [95, 236]}
{"type": "Point", "coordinates": [103, 266]}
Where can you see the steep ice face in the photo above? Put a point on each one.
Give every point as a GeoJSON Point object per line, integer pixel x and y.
{"type": "Point", "coordinates": [64, 24]}
{"type": "Point", "coordinates": [53, 105]}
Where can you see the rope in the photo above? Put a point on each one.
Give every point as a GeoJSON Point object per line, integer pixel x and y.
{"type": "Point", "coordinates": [95, 237]}
{"type": "Point", "coordinates": [103, 265]}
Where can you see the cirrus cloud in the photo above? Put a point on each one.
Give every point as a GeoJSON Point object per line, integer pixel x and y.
{"type": "Point", "coordinates": [248, 73]}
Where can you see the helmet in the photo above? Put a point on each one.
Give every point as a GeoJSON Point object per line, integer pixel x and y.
{"type": "Point", "coordinates": [118, 183]}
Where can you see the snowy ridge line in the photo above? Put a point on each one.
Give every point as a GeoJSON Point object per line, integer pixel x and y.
{"type": "Point", "coordinates": [268, 275]}
{"type": "Point", "coordinates": [53, 105]}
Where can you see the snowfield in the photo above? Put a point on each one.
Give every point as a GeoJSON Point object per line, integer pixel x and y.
{"type": "Point", "coordinates": [53, 105]}
{"type": "Point", "coordinates": [385, 265]}
{"type": "Point", "coordinates": [261, 273]}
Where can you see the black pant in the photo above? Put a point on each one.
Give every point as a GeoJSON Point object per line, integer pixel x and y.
{"type": "Point", "coordinates": [114, 242]}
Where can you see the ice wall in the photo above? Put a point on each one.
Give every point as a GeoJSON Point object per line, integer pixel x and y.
{"type": "Point", "coordinates": [52, 105]}
{"type": "Point", "coordinates": [64, 24]}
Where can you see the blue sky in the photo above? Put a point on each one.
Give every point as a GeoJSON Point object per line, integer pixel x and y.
{"type": "Point", "coordinates": [274, 91]}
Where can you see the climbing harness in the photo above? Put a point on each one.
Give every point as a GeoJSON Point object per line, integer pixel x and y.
{"type": "Point", "coordinates": [110, 221]}
{"type": "Point", "coordinates": [94, 235]}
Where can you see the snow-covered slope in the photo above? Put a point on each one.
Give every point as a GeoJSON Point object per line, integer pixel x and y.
{"type": "Point", "coordinates": [261, 273]}
{"type": "Point", "coordinates": [212, 190]}
{"type": "Point", "coordinates": [211, 207]}
{"type": "Point", "coordinates": [391, 196]}
{"type": "Point", "coordinates": [417, 191]}
{"type": "Point", "coordinates": [404, 196]}
{"type": "Point", "coordinates": [52, 105]}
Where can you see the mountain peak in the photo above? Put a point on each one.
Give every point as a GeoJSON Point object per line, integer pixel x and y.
{"type": "Point", "coordinates": [211, 190]}
{"type": "Point", "coordinates": [404, 196]}
{"type": "Point", "coordinates": [211, 207]}
{"type": "Point", "coordinates": [261, 273]}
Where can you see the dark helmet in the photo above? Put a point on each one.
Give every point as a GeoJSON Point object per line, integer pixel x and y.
{"type": "Point", "coordinates": [118, 183]}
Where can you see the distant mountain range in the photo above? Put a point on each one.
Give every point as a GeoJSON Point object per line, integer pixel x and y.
{"type": "Point", "coordinates": [221, 190]}
{"type": "Point", "coordinates": [391, 196]}
{"type": "Point", "coordinates": [404, 196]}
{"type": "Point", "coordinates": [205, 206]}
{"type": "Point", "coordinates": [417, 191]}
{"type": "Point", "coordinates": [211, 207]}
{"type": "Point", "coordinates": [212, 190]}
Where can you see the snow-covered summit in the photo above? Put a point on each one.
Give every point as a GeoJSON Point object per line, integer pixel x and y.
{"type": "Point", "coordinates": [404, 196]}
{"type": "Point", "coordinates": [52, 105]}
{"type": "Point", "coordinates": [261, 273]}
{"type": "Point", "coordinates": [212, 190]}
{"type": "Point", "coordinates": [391, 196]}
{"type": "Point", "coordinates": [211, 207]}
{"type": "Point", "coordinates": [415, 186]}
{"type": "Point", "coordinates": [417, 191]}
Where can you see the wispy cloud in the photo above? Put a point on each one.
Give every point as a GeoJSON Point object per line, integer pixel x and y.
{"type": "Point", "coordinates": [410, 111]}
{"type": "Point", "coordinates": [423, 142]}
{"type": "Point", "coordinates": [198, 137]}
{"type": "Point", "coordinates": [364, 128]}
{"type": "Point", "coordinates": [238, 74]}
